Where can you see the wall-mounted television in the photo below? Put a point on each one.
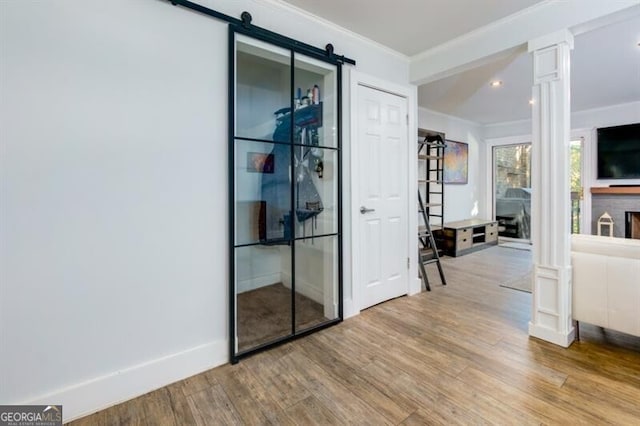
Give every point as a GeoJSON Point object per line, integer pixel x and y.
{"type": "Point", "coordinates": [619, 152]}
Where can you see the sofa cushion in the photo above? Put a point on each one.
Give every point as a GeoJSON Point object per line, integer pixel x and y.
{"type": "Point", "coordinates": [606, 282]}
{"type": "Point", "coordinates": [608, 246]}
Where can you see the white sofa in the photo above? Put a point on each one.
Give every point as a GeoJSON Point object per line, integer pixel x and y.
{"type": "Point", "coordinates": [606, 282]}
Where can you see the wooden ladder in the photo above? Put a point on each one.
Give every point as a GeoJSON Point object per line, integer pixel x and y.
{"type": "Point", "coordinates": [428, 252]}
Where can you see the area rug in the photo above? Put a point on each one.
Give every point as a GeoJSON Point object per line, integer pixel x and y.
{"type": "Point", "coordinates": [520, 283]}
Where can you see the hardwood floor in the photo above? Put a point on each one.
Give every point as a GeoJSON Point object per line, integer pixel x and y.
{"type": "Point", "coordinates": [459, 354]}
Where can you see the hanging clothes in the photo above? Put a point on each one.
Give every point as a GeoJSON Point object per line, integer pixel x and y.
{"type": "Point", "coordinates": [276, 186]}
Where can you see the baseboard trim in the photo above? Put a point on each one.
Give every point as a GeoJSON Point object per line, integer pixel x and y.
{"type": "Point", "coordinates": [311, 291]}
{"type": "Point", "coordinates": [552, 336]}
{"type": "Point", "coordinates": [349, 309]}
{"type": "Point", "coordinates": [258, 282]}
{"type": "Point", "coordinates": [102, 392]}
{"type": "Point", "coordinates": [415, 287]}
{"type": "Point", "coordinates": [306, 288]}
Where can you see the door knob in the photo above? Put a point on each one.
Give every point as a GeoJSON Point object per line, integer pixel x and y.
{"type": "Point", "coordinates": [364, 210]}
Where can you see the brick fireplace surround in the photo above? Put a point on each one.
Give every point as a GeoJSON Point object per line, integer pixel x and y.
{"type": "Point", "coordinates": [621, 203]}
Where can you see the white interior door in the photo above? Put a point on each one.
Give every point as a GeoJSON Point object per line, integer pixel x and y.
{"type": "Point", "coordinates": [383, 172]}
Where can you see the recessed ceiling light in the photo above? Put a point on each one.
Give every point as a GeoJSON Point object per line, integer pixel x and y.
{"type": "Point", "coordinates": [496, 83]}
{"type": "Point", "coordinates": [532, 101]}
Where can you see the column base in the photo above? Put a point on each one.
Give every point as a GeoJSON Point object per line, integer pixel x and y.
{"type": "Point", "coordinates": [552, 336]}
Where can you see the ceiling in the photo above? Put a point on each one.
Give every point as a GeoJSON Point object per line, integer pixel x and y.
{"type": "Point", "coordinates": [424, 23]}
{"type": "Point", "coordinates": [605, 70]}
{"type": "Point", "coordinates": [605, 67]}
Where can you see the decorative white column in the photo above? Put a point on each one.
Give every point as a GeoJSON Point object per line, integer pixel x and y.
{"type": "Point", "coordinates": [550, 199]}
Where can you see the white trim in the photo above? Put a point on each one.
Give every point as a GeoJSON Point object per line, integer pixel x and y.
{"type": "Point", "coordinates": [349, 309]}
{"type": "Point", "coordinates": [415, 284]}
{"type": "Point", "coordinates": [348, 306]}
{"type": "Point", "coordinates": [408, 92]}
{"type": "Point", "coordinates": [547, 40]}
{"type": "Point", "coordinates": [101, 392]}
{"type": "Point", "coordinates": [552, 336]}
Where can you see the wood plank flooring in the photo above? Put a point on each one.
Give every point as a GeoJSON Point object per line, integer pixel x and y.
{"type": "Point", "coordinates": [459, 354]}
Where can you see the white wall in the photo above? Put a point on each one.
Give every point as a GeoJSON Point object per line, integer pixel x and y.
{"type": "Point", "coordinates": [460, 201]}
{"type": "Point", "coordinates": [113, 181]}
{"type": "Point", "coordinates": [507, 129]}
{"type": "Point", "coordinates": [613, 115]}
{"type": "Point", "coordinates": [589, 121]}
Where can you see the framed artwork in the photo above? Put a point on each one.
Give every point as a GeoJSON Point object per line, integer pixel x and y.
{"type": "Point", "coordinates": [456, 162]}
{"type": "Point", "coordinates": [259, 162]}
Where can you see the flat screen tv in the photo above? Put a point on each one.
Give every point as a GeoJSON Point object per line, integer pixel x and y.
{"type": "Point", "coordinates": [619, 152]}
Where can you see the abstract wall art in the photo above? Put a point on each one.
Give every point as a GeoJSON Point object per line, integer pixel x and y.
{"type": "Point", "coordinates": [456, 162]}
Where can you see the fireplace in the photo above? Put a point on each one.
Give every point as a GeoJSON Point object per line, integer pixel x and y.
{"type": "Point", "coordinates": [632, 225]}
{"type": "Point", "coordinates": [621, 203]}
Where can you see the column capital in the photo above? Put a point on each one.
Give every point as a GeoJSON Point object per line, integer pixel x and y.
{"type": "Point", "coordinates": [552, 39]}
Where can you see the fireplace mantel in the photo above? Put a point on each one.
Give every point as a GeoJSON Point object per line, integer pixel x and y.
{"type": "Point", "coordinates": [617, 190]}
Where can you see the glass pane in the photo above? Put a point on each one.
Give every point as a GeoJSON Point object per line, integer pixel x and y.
{"type": "Point", "coordinates": [513, 190]}
{"type": "Point", "coordinates": [262, 192]}
{"type": "Point", "coordinates": [285, 177]}
{"type": "Point", "coordinates": [315, 191]}
{"type": "Point", "coordinates": [315, 102]}
{"type": "Point", "coordinates": [263, 294]}
{"type": "Point", "coordinates": [316, 281]}
{"type": "Point", "coordinates": [576, 184]}
{"type": "Point", "coordinates": [263, 91]}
